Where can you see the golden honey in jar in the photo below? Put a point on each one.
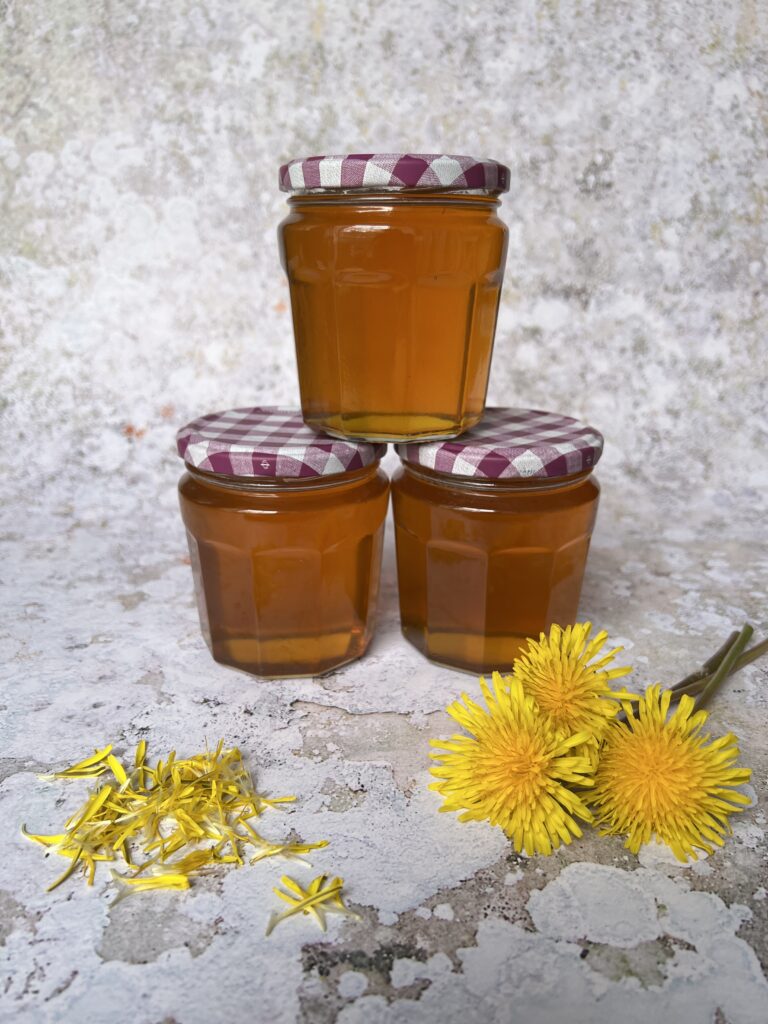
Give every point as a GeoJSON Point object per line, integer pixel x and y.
{"type": "Point", "coordinates": [492, 533]}
{"type": "Point", "coordinates": [395, 264]}
{"type": "Point", "coordinates": [285, 530]}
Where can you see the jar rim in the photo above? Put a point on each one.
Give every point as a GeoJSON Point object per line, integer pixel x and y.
{"type": "Point", "coordinates": [487, 485]}
{"type": "Point", "coordinates": [275, 483]}
{"type": "Point", "coordinates": [390, 192]}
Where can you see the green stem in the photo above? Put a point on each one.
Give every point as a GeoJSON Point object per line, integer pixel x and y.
{"type": "Point", "coordinates": [726, 666]}
{"type": "Point", "coordinates": [691, 689]}
{"type": "Point", "coordinates": [752, 655]}
{"type": "Point", "coordinates": [704, 681]}
{"type": "Point", "coordinates": [708, 667]}
{"type": "Point", "coordinates": [697, 685]}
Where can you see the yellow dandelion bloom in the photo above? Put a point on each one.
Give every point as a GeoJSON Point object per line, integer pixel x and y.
{"type": "Point", "coordinates": [513, 769]}
{"type": "Point", "coordinates": [659, 775]}
{"type": "Point", "coordinates": [561, 674]}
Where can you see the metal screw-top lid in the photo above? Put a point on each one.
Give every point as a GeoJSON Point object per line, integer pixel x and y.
{"type": "Point", "coordinates": [393, 171]}
{"type": "Point", "coordinates": [266, 441]}
{"type": "Point", "coordinates": [512, 443]}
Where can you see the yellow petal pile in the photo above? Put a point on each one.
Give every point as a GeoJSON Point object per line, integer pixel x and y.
{"type": "Point", "coordinates": [165, 823]}
{"type": "Point", "coordinates": [513, 769]}
{"type": "Point", "coordinates": [318, 899]}
{"type": "Point", "coordinates": [660, 775]}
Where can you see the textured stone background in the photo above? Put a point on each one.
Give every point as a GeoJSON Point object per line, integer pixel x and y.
{"type": "Point", "coordinates": [138, 162]}
{"type": "Point", "coordinates": [139, 145]}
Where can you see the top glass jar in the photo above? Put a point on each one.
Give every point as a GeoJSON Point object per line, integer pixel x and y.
{"type": "Point", "coordinates": [395, 264]}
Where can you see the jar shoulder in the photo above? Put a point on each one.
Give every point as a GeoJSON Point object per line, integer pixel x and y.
{"type": "Point", "coordinates": [350, 216]}
{"type": "Point", "coordinates": [372, 486]}
{"type": "Point", "coordinates": [408, 486]}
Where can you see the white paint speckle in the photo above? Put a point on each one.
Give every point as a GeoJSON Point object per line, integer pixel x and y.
{"type": "Point", "coordinates": [660, 856]}
{"type": "Point", "coordinates": [749, 791]}
{"type": "Point", "coordinates": [404, 972]}
{"type": "Point", "coordinates": [352, 984]}
{"type": "Point", "coordinates": [748, 834]}
{"type": "Point", "coordinates": [702, 868]}
{"type": "Point", "coordinates": [592, 901]}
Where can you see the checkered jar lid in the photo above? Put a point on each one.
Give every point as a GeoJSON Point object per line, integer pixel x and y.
{"type": "Point", "coordinates": [266, 441]}
{"type": "Point", "coordinates": [378, 171]}
{"type": "Point", "coordinates": [511, 443]}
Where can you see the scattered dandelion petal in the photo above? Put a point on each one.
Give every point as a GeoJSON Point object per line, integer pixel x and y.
{"type": "Point", "coordinates": [168, 822]}
{"type": "Point", "coordinates": [319, 898]}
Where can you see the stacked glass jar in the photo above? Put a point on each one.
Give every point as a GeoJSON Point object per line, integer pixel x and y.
{"type": "Point", "coordinates": [395, 264]}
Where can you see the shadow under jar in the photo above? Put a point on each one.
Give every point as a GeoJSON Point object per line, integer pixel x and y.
{"type": "Point", "coordinates": [395, 264]}
{"type": "Point", "coordinates": [285, 531]}
{"type": "Point", "coordinates": [492, 534]}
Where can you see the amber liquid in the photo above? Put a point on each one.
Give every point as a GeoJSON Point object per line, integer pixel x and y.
{"type": "Point", "coordinates": [482, 567]}
{"type": "Point", "coordinates": [286, 575]}
{"type": "Point", "coordinates": [394, 303]}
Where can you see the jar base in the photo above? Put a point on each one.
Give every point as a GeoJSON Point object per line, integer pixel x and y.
{"type": "Point", "coordinates": [392, 427]}
{"type": "Point", "coordinates": [473, 653]}
{"type": "Point", "coordinates": [290, 657]}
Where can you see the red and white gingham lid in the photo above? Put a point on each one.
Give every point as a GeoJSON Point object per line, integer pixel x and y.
{"type": "Point", "coordinates": [512, 443]}
{"type": "Point", "coordinates": [266, 441]}
{"type": "Point", "coordinates": [393, 171]}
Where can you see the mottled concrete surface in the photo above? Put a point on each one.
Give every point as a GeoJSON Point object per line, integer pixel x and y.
{"type": "Point", "coordinates": [140, 285]}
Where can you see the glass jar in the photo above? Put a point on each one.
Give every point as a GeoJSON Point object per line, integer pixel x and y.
{"type": "Point", "coordinates": [285, 532]}
{"type": "Point", "coordinates": [395, 265]}
{"type": "Point", "coordinates": [492, 535]}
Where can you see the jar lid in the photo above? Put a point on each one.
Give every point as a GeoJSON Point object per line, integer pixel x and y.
{"type": "Point", "coordinates": [266, 441]}
{"type": "Point", "coordinates": [512, 443]}
{"type": "Point", "coordinates": [393, 171]}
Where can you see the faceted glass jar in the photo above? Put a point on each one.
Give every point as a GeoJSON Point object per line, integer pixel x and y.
{"type": "Point", "coordinates": [394, 298]}
{"type": "Point", "coordinates": [485, 564]}
{"type": "Point", "coordinates": [286, 570]}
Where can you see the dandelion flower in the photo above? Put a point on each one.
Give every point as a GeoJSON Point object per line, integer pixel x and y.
{"type": "Point", "coordinates": [513, 769]}
{"type": "Point", "coordinates": [570, 687]}
{"type": "Point", "coordinates": [660, 775]}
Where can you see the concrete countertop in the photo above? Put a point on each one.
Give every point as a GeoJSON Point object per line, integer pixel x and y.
{"type": "Point", "coordinates": [104, 646]}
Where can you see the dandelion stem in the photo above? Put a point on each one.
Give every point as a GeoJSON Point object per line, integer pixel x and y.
{"type": "Point", "coordinates": [752, 655]}
{"type": "Point", "coordinates": [695, 683]}
{"type": "Point", "coordinates": [726, 666]}
{"type": "Point", "coordinates": [709, 666]}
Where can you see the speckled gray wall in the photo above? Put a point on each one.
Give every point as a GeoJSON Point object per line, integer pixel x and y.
{"type": "Point", "coordinates": [139, 146]}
